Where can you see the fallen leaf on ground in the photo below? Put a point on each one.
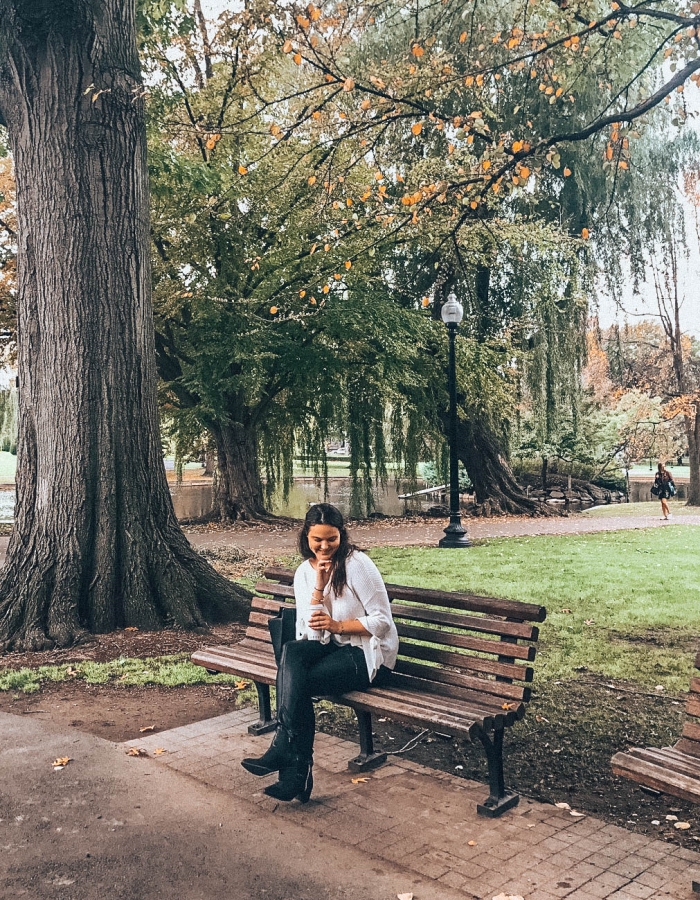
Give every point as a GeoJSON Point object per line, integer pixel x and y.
{"type": "Point", "coordinates": [671, 818]}
{"type": "Point", "coordinates": [131, 628]}
{"type": "Point", "coordinates": [61, 762]}
{"type": "Point", "coordinates": [147, 728]}
{"type": "Point", "coordinates": [404, 896]}
{"type": "Point", "coordinates": [137, 751]}
{"type": "Point", "coordinates": [565, 610]}
{"type": "Point", "coordinates": [541, 719]}
{"type": "Point", "coordinates": [239, 685]}
{"type": "Point", "coordinates": [508, 706]}
{"type": "Point", "coordinates": [589, 621]}
{"type": "Point", "coordinates": [71, 671]}
{"type": "Point", "coordinates": [159, 751]}
{"type": "Point", "coordinates": [359, 780]}
{"type": "Point", "coordinates": [682, 826]}
{"type": "Point", "coordinates": [562, 806]}
{"type": "Point", "coordinates": [577, 815]}
{"type": "Point", "coordinates": [655, 822]}
{"type": "Point", "coordinates": [471, 843]}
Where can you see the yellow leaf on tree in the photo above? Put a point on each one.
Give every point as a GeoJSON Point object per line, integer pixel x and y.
{"type": "Point", "coordinates": [425, 302]}
{"type": "Point", "coordinates": [524, 172]}
{"type": "Point", "coordinates": [302, 294]}
{"type": "Point", "coordinates": [417, 50]}
{"type": "Point", "coordinates": [463, 37]}
{"type": "Point", "coordinates": [348, 264]}
{"type": "Point", "coordinates": [567, 172]}
{"type": "Point", "coordinates": [326, 288]}
{"type": "Point", "coordinates": [337, 276]}
{"type": "Point", "coordinates": [416, 128]}
{"type": "Point", "coordinates": [242, 170]}
{"type": "Point", "coordinates": [517, 146]}
{"type": "Point", "coordinates": [366, 103]}
{"type": "Point", "coordinates": [297, 58]}
{"type": "Point", "coordinates": [287, 47]}
{"type": "Point", "coordinates": [608, 152]}
{"type": "Point", "coordinates": [349, 85]}
{"type": "Point", "coordinates": [585, 234]}
{"type": "Point", "coordinates": [474, 204]}
{"type": "Point", "coordinates": [273, 310]}
{"type": "Point", "coordinates": [311, 180]}
{"type": "Point", "coordinates": [486, 165]}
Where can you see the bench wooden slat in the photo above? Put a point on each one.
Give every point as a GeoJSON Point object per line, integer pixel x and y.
{"type": "Point", "coordinates": [464, 662]}
{"type": "Point", "coordinates": [695, 685]}
{"type": "Point", "coordinates": [403, 712]}
{"type": "Point", "coordinates": [489, 703]}
{"type": "Point", "coordinates": [491, 716]}
{"type": "Point", "coordinates": [277, 590]}
{"type": "Point", "coordinates": [658, 777]}
{"type": "Point", "coordinates": [267, 604]}
{"type": "Point", "coordinates": [438, 703]}
{"type": "Point", "coordinates": [692, 706]}
{"type": "Point", "coordinates": [501, 689]}
{"type": "Point", "coordinates": [672, 758]}
{"type": "Point", "coordinates": [511, 609]}
{"type": "Point", "coordinates": [237, 666]}
{"type": "Point", "coordinates": [449, 638]}
{"type": "Point", "coordinates": [469, 623]}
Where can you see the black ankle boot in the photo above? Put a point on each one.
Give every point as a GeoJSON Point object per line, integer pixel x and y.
{"type": "Point", "coordinates": [295, 781]}
{"type": "Point", "coordinates": [277, 756]}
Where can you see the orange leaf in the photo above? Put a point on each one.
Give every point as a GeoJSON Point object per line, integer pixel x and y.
{"type": "Point", "coordinates": [61, 762]}
{"type": "Point", "coordinates": [524, 172]}
{"type": "Point", "coordinates": [567, 172]}
{"type": "Point", "coordinates": [242, 170]}
{"type": "Point", "coordinates": [326, 288]}
{"type": "Point", "coordinates": [311, 180]}
{"type": "Point", "coordinates": [287, 47]}
{"type": "Point", "coordinates": [416, 128]}
{"type": "Point", "coordinates": [463, 37]}
{"type": "Point", "coordinates": [425, 302]}
{"type": "Point", "coordinates": [417, 50]}
{"type": "Point", "coordinates": [147, 728]}
{"type": "Point", "coordinates": [366, 104]}
{"type": "Point", "coordinates": [273, 310]}
{"type": "Point", "coordinates": [297, 58]}
{"type": "Point", "coordinates": [348, 264]}
{"type": "Point", "coordinates": [349, 85]}
{"type": "Point", "coordinates": [585, 234]}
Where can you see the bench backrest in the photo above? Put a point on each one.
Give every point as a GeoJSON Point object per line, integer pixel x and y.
{"type": "Point", "coordinates": [690, 740]}
{"type": "Point", "coordinates": [465, 643]}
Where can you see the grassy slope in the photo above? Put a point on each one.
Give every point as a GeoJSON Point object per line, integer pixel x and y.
{"type": "Point", "coordinates": [633, 596]}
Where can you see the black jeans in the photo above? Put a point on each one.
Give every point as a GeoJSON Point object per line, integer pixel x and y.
{"type": "Point", "coordinates": [311, 669]}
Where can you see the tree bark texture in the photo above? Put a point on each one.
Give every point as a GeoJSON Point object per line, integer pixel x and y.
{"type": "Point", "coordinates": [497, 492]}
{"type": "Point", "coordinates": [95, 544]}
{"type": "Point", "coordinates": [238, 492]}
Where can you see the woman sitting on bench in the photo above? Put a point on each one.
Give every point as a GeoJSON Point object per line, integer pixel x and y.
{"type": "Point", "coordinates": [346, 641]}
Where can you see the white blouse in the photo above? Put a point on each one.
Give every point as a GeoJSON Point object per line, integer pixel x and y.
{"type": "Point", "coordinates": [364, 598]}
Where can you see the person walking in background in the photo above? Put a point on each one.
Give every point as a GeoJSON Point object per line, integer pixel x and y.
{"type": "Point", "coordinates": [664, 488]}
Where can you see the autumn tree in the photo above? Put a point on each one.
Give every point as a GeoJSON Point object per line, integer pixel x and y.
{"type": "Point", "coordinates": [95, 544]}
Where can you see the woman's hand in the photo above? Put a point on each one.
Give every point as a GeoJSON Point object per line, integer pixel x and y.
{"type": "Point", "coordinates": [324, 569]}
{"type": "Point", "coordinates": [319, 620]}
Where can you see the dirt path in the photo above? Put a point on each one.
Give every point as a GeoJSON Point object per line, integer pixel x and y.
{"type": "Point", "coordinates": [275, 540]}
{"type": "Point", "coordinates": [397, 533]}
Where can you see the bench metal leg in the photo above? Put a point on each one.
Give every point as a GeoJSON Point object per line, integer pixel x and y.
{"type": "Point", "coordinates": [696, 887]}
{"type": "Point", "coordinates": [265, 723]}
{"type": "Point", "coordinates": [367, 759]}
{"type": "Point", "coordinates": [500, 798]}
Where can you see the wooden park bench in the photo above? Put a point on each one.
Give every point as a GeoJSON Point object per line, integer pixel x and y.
{"type": "Point", "coordinates": [670, 770]}
{"type": "Point", "coordinates": [463, 670]}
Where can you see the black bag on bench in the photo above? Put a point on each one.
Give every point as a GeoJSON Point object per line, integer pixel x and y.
{"type": "Point", "coordinates": [283, 628]}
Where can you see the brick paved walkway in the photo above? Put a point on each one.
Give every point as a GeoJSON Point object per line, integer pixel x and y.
{"type": "Point", "coordinates": [425, 821]}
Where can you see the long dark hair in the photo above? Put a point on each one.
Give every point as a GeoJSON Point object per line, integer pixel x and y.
{"type": "Point", "coordinates": [326, 514]}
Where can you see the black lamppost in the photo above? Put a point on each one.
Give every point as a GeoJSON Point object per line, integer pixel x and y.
{"type": "Point", "coordinates": [455, 533]}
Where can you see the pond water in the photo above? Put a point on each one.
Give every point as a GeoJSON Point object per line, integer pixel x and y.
{"type": "Point", "coordinates": [192, 501]}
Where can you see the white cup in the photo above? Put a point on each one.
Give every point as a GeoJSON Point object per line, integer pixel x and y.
{"type": "Point", "coordinates": [313, 634]}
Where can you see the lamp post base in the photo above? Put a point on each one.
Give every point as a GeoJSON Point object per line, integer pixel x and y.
{"type": "Point", "coordinates": [455, 534]}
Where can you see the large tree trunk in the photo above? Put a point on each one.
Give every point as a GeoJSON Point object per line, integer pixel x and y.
{"type": "Point", "coordinates": [497, 492]}
{"type": "Point", "coordinates": [238, 492]}
{"type": "Point", "coordinates": [693, 432]}
{"type": "Point", "coordinates": [96, 544]}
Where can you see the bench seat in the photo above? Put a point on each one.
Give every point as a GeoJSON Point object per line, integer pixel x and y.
{"type": "Point", "coordinates": [462, 669]}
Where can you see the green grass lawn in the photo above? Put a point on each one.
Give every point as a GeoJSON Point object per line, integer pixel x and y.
{"type": "Point", "coordinates": [620, 604]}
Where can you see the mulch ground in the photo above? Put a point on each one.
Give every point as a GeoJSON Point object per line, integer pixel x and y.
{"type": "Point", "coordinates": [560, 751]}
